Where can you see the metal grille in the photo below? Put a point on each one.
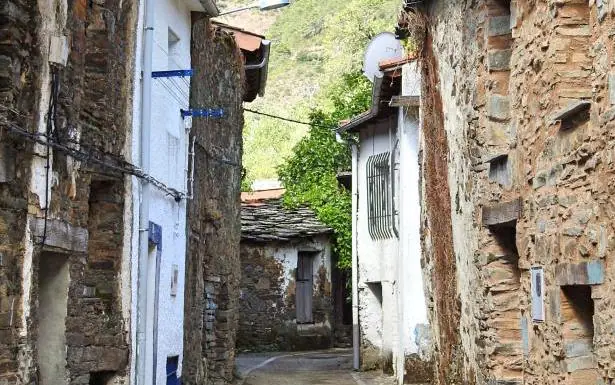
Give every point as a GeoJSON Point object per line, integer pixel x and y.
{"type": "Point", "coordinates": [379, 197]}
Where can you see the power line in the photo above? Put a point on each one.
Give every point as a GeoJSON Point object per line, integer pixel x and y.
{"type": "Point", "coordinates": [123, 166]}
{"type": "Point", "coordinates": [289, 120]}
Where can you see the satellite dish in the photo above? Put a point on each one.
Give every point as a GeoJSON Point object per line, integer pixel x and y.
{"type": "Point", "coordinates": [383, 46]}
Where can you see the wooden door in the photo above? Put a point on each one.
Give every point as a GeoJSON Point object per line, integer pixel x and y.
{"type": "Point", "coordinates": [305, 287]}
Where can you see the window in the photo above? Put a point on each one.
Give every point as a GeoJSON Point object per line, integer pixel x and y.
{"type": "Point", "coordinates": [379, 196]}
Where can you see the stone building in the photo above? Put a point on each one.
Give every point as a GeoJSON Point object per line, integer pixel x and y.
{"type": "Point", "coordinates": [287, 277]}
{"type": "Point", "coordinates": [517, 188]}
{"type": "Point", "coordinates": [390, 316]}
{"type": "Point", "coordinates": [71, 90]}
{"type": "Point", "coordinates": [65, 73]}
{"type": "Point", "coordinates": [231, 69]}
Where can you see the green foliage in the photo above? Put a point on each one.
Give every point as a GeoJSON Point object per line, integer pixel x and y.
{"type": "Point", "coordinates": [313, 42]}
{"type": "Point", "coordinates": [310, 174]}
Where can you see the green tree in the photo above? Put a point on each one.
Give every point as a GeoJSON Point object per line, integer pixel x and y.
{"type": "Point", "coordinates": [313, 42]}
{"type": "Point", "coordinates": [310, 174]}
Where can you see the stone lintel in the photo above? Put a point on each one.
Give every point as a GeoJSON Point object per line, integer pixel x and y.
{"type": "Point", "coordinates": [499, 60]}
{"type": "Point", "coordinates": [496, 157]}
{"type": "Point", "coordinates": [584, 273]}
{"type": "Point", "coordinates": [405, 101]}
{"type": "Point", "coordinates": [60, 234]}
{"type": "Point", "coordinates": [498, 26]}
{"type": "Point", "coordinates": [571, 110]}
{"type": "Point", "coordinates": [502, 214]}
{"type": "Point", "coordinates": [505, 382]}
{"type": "Point", "coordinates": [498, 107]}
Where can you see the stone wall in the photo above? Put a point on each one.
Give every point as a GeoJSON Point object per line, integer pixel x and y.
{"type": "Point", "coordinates": [19, 67]}
{"type": "Point", "coordinates": [85, 198]}
{"type": "Point", "coordinates": [212, 264]}
{"type": "Point", "coordinates": [527, 97]}
{"type": "Point", "coordinates": [267, 319]}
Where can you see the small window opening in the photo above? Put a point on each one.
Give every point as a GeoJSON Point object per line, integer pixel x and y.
{"type": "Point", "coordinates": [574, 115]}
{"type": "Point", "coordinates": [577, 315]}
{"type": "Point", "coordinates": [499, 170]}
{"type": "Point", "coordinates": [101, 378]}
{"type": "Point", "coordinates": [376, 289]}
{"type": "Point", "coordinates": [578, 312]}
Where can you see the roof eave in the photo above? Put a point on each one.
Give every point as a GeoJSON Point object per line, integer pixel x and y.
{"type": "Point", "coordinates": [210, 7]}
{"type": "Point", "coordinates": [359, 120]}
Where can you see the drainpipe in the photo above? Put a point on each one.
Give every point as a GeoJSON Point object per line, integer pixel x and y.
{"type": "Point", "coordinates": [355, 260]}
{"type": "Point", "coordinates": [146, 111]}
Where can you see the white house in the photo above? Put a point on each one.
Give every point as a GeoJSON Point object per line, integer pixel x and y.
{"type": "Point", "coordinates": [160, 146]}
{"type": "Point", "coordinates": [389, 312]}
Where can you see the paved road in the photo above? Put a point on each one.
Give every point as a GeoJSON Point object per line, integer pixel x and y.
{"type": "Point", "coordinates": [331, 367]}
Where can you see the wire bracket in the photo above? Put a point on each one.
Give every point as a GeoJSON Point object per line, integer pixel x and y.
{"type": "Point", "coordinates": [171, 74]}
{"type": "Point", "coordinates": [203, 113]}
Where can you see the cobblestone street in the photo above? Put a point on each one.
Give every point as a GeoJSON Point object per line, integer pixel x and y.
{"type": "Point", "coordinates": [309, 368]}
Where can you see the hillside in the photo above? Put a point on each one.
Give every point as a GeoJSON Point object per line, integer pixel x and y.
{"type": "Point", "coordinates": [314, 42]}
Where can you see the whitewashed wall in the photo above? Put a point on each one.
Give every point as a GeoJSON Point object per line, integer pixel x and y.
{"type": "Point", "coordinates": [378, 262]}
{"type": "Point", "coordinates": [396, 263]}
{"type": "Point", "coordinates": [288, 257]}
{"type": "Point", "coordinates": [168, 164]}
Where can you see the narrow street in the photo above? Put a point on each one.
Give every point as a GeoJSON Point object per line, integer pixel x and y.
{"type": "Point", "coordinates": [305, 368]}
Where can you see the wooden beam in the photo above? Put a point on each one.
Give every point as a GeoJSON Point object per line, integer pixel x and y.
{"type": "Point", "coordinates": [502, 214]}
{"type": "Point", "coordinates": [405, 101]}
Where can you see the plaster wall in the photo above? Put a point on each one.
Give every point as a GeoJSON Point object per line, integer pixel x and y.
{"type": "Point", "coordinates": [412, 298]}
{"type": "Point", "coordinates": [411, 301]}
{"type": "Point", "coordinates": [168, 146]}
{"type": "Point", "coordinates": [392, 308]}
{"type": "Point", "coordinates": [377, 259]}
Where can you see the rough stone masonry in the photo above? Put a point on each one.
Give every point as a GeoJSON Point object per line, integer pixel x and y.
{"type": "Point", "coordinates": [66, 239]}
{"type": "Point", "coordinates": [520, 276]}
{"type": "Point", "coordinates": [214, 226]}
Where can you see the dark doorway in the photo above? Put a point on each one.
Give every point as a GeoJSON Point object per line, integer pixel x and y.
{"type": "Point", "coordinates": [101, 378]}
{"type": "Point", "coordinates": [53, 283]}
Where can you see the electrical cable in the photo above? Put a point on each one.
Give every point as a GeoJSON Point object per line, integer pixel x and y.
{"type": "Point", "coordinates": [289, 120]}
{"type": "Point", "coordinates": [50, 132]}
{"type": "Point", "coordinates": [124, 167]}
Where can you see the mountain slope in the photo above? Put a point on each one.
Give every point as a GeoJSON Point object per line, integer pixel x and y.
{"type": "Point", "coordinates": [314, 42]}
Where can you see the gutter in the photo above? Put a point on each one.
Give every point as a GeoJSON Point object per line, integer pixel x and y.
{"type": "Point", "coordinates": [356, 340]}
{"type": "Point", "coordinates": [211, 9]}
{"type": "Point", "coordinates": [263, 66]}
{"type": "Point", "coordinates": [143, 230]}
{"type": "Point", "coordinates": [369, 115]}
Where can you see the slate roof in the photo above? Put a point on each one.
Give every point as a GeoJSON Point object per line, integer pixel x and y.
{"type": "Point", "coordinates": [268, 220]}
